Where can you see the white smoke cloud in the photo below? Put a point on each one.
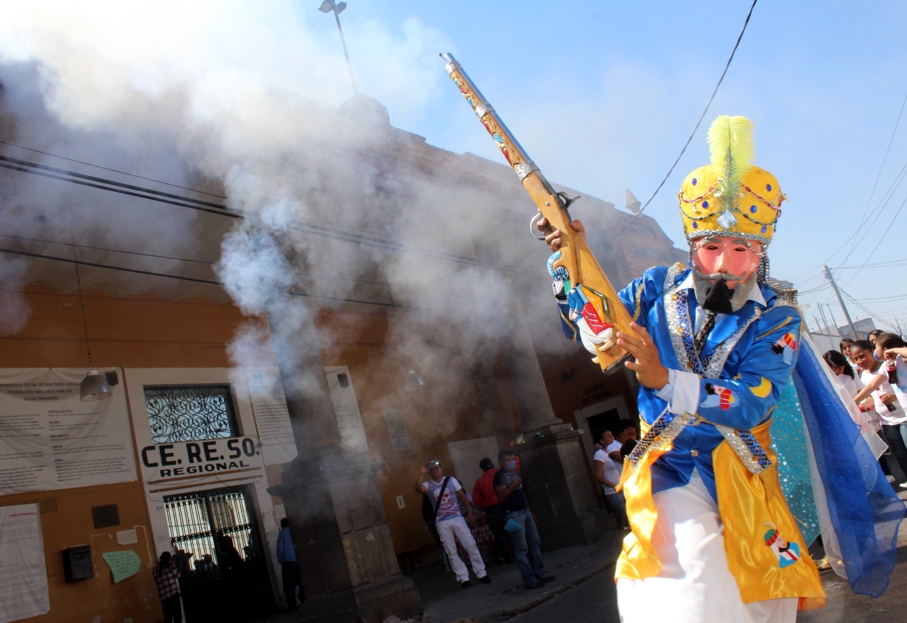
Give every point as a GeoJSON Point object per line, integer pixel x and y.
{"type": "Point", "coordinates": [256, 98]}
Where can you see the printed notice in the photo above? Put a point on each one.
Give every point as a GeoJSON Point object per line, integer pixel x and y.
{"type": "Point", "coordinates": [50, 439]}
{"type": "Point", "coordinates": [272, 418]}
{"type": "Point", "coordinates": [124, 564]}
{"type": "Point", "coordinates": [396, 430]}
{"type": "Point", "coordinates": [23, 577]}
{"type": "Point", "coordinates": [346, 409]}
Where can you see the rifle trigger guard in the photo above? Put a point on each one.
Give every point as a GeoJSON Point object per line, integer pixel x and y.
{"type": "Point", "coordinates": [534, 227]}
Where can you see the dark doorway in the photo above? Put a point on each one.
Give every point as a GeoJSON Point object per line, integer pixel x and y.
{"type": "Point", "coordinates": [597, 423]}
{"type": "Point", "coordinates": [220, 556]}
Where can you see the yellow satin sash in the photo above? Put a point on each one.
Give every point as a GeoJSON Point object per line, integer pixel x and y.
{"type": "Point", "coordinates": [755, 518]}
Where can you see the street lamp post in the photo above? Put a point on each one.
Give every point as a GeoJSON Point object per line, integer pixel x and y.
{"type": "Point", "coordinates": [338, 7]}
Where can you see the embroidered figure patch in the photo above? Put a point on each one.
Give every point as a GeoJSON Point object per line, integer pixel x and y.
{"type": "Point", "coordinates": [788, 553]}
{"type": "Point", "coordinates": [786, 346]}
{"type": "Point", "coordinates": [718, 396]}
{"type": "Point", "coordinates": [591, 306]}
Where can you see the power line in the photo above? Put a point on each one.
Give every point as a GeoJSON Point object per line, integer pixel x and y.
{"type": "Point", "coordinates": [219, 210]}
{"type": "Point", "coordinates": [26, 167]}
{"type": "Point", "coordinates": [190, 279]}
{"type": "Point", "coordinates": [876, 265]}
{"type": "Point", "coordinates": [871, 195]}
{"type": "Point", "coordinates": [878, 243]}
{"type": "Point", "coordinates": [97, 166]}
{"type": "Point", "coordinates": [875, 316]}
{"type": "Point", "coordinates": [163, 257]}
{"type": "Point", "coordinates": [701, 117]}
{"type": "Point", "coordinates": [882, 167]}
{"type": "Point", "coordinates": [90, 248]}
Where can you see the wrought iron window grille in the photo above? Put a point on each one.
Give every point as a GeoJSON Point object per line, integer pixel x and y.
{"type": "Point", "coordinates": [190, 412]}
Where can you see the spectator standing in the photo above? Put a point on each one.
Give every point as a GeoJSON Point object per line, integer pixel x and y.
{"type": "Point", "coordinates": [167, 578]}
{"type": "Point", "coordinates": [844, 346]}
{"type": "Point", "coordinates": [894, 419]}
{"type": "Point", "coordinates": [481, 534]}
{"type": "Point", "coordinates": [607, 473]}
{"type": "Point", "coordinates": [486, 499]}
{"type": "Point", "coordinates": [890, 349]}
{"type": "Point", "coordinates": [841, 367]}
{"type": "Point", "coordinates": [626, 430]}
{"type": "Point", "coordinates": [519, 521]}
{"type": "Point", "coordinates": [428, 515]}
{"type": "Point", "coordinates": [289, 567]}
{"type": "Point", "coordinates": [443, 492]}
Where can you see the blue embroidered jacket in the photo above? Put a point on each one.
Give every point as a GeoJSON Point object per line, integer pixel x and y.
{"type": "Point", "coordinates": [758, 345]}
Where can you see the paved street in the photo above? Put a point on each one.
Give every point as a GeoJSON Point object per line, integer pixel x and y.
{"type": "Point", "coordinates": [595, 601]}
{"type": "Point", "coordinates": [584, 592]}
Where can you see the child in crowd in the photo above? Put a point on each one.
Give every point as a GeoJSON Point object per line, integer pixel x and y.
{"type": "Point", "coordinates": [882, 383]}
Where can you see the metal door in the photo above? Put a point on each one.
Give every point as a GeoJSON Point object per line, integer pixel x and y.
{"type": "Point", "coordinates": [220, 556]}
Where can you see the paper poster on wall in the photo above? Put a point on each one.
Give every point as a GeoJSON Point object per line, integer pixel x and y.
{"type": "Point", "coordinates": [50, 439]}
{"type": "Point", "coordinates": [396, 430]}
{"type": "Point", "coordinates": [272, 418]}
{"type": "Point", "coordinates": [346, 409]}
{"type": "Point", "coordinates": [23, 577]}
{"type": "Point", "coordinates": [123, 564]}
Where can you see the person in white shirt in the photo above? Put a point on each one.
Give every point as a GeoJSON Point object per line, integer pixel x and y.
{"type": "Point", "coordinates": [890, 350]}
{"type": "Point", "coordinates": [841, 367]}
{"type": "Point", "coordinates": [443, 493]}
{"type": "Point", "coordinates": [891, 412]}
{"type": "Point", "coordinates": [607, 473]}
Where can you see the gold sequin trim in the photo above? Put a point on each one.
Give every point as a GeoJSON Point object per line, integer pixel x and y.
{"type": "Point", "coordinates": [773, 329]}
{"type": "Point", "coordinates": [638, 301]}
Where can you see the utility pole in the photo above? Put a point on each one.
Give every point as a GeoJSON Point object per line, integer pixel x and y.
{"type": "Point", "coordinates": [834, 287]}
{"type": "Point", "coordinates": [834, 321]}
{"type": "Point", "coordinates": [326, 7]}
{"type": "Point", "coordinates": [822, 313]}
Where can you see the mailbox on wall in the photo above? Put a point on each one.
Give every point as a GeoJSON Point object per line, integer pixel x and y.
{"type": "Point", "coordinates": [77, 563]}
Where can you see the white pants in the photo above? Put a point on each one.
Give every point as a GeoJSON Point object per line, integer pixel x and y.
{"type": "Point", "coordinates": [695, 584]}
{"type": "Point", "coordinates": [458, 528]}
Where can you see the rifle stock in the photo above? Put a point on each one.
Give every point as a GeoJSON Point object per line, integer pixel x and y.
{"type": "Point", "coordinates": [576, 257]}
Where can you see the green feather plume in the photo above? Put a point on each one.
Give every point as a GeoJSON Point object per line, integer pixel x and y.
{"type": "Point", "coordinates": [731, 148]}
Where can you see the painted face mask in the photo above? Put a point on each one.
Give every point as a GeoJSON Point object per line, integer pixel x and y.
{"type": "Point", "coordinates": [728, 259]}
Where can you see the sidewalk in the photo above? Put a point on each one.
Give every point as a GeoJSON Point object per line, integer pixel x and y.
{"type": "Point", "coordinates": [445, 602]}
{"type": "Point", "coordinates": [505, 597]}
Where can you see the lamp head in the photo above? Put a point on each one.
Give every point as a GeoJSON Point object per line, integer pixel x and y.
{"type": "Point", "coordinates": [94, 387]}
{"type": "Point", "coordinates": [413, 381]}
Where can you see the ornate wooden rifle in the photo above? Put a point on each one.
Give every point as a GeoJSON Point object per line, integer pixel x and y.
{"type": "Point", "coordinates": [574, 263]}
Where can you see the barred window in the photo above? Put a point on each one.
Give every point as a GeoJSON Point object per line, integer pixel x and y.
{"type": "Point", "coordinates": [190, 412]}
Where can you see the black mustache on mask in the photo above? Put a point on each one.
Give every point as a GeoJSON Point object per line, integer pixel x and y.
{"type": "Point", "coordinates": [718, 298]}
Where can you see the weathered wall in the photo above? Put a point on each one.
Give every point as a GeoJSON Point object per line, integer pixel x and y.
{"type": "Point", "coordinates": [123, 332]}
{"type": "Point", "coordinates": [148, 332]}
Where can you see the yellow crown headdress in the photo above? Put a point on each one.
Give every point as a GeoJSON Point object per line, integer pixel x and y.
{"type": "Point", "coordinates": [730, 196]}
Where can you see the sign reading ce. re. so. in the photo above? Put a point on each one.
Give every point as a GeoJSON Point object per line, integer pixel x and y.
{"type": "Point", "coordinates": [199, 458]}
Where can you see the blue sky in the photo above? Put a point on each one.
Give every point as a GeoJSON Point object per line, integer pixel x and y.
{"type": "Point", "coordinates": [603, 96]}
